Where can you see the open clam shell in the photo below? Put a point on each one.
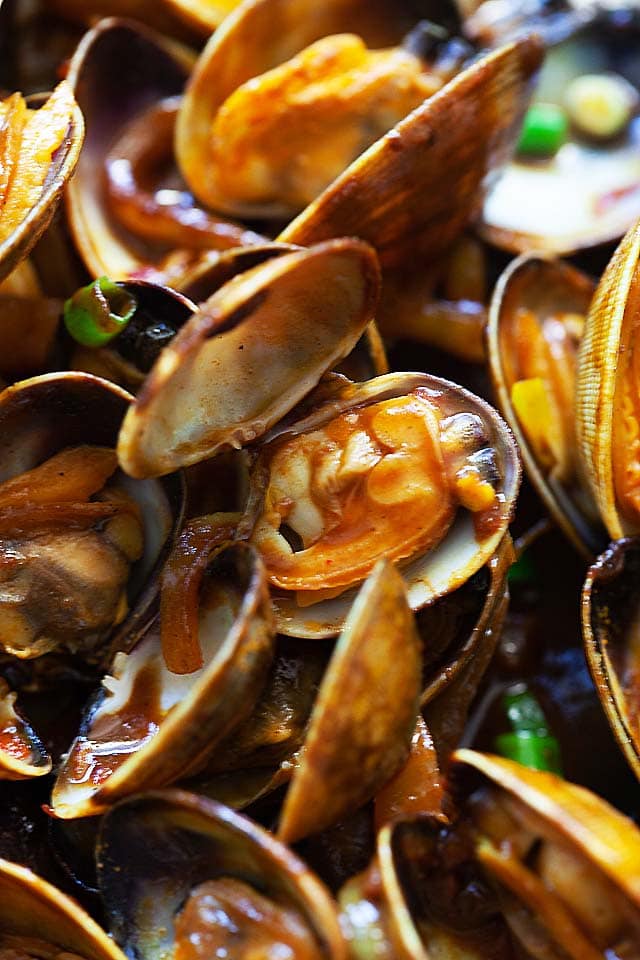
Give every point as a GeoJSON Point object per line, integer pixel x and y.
{"type": "Point", "coordinates": [415, 189]}
{"type": "Point", "coordinates": [417, 186]}
{"type": "Point", "coordinates": [119, 69]}
{"type": "Point", "coordinates": [551, 298]}
{"type": "Point", "coordinates": [269, 334]}
{"type": "Point", "coordinates": [460, 553]}
{"type": "Point", "coordinates": [404, 906]}
{"type": "Point", "coordinates": [565, 863]}
{"type": "Point", "coordinates": [253, 39]}
{"type": "Point", "coordinates": [148, 726]}
{"type": "Point", "coordinates": [46, 414]}
{"type": "Point", "coordinates": [607, 424]}
{"type": "Point", "coordinates": [589, 192]}
{"type": "Point", "coordinates": [63, 163]}
{"type": "Point", "coordinates": [172, 841]}
{"type": "Point", "coordinates": [365, 713]}
{"type": "Point", "coordinates": [32, 908]}
{"type": "Point", "coordinates": [611, 633]}
{"type": "Point", "coordinates": [136, 217]}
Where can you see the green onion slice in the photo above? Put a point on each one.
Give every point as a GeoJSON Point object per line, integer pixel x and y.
{"type": "Point", "coordinates": [97, 313]}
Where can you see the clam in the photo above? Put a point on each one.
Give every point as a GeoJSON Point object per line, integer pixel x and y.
{"type": "Point", "coordinates": [565, 864]}
{"type": "Point", "coordinates": [400, 190]}
{"type": "Point", "coordinates": [37, 920]}
{"type": "Point", "coordinates": [588, 193]}
{"type": "Point", "coordinates": [415, 189]}
{"type": "Point", "coordinates": [553, 860]}
{"type": "Point", "coordinates": [127, 221]}
{"type": "Point", "coordinates": [79, 573]}
{"type": "Point", "coordinates": [367, 359]}
{"type": "Point", "coordinates": [256, 38]}
{"type": "Point", "coordinates": [432, 467]}
{"type": "Point", "coordinates": [536, 323]}
{"type": "Point", "coordinates": [270, 333]}
{"type": "Point", "coordinates": [361, 725]}
{"type": "Point", "coordinates": [422, 897]}
{"type": "Point", "coordinates": [149, 725]}
{"type": "Point", "coordinates": [61, 161]}
{"type": "Point", "coordinates": [217, 878]}
{"type": "Point", "coordinates": [610, 632]}
{"type": "Point", "coordinates": [606, 417]}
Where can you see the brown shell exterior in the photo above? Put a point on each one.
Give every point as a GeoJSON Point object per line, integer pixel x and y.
{"type": "Point", "coordinates": [412, 192]}
{"type": "Point", "coordinates": [31, 907]}
{"type": "Point", "coordinates": [596, 386]}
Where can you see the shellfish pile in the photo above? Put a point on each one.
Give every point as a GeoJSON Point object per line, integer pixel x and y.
{"type": "Point", "coordinates": [318, 511]}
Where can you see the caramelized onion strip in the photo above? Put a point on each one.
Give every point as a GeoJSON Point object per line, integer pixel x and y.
{"type": "Point", "coordinates": [180, 586]}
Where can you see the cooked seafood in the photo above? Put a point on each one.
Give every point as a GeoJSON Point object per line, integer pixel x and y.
{"type": "Point", "coordinates": [315, 641]}
{"type": "Point", "coordinates": [536, 324]}
{"type": "Point", "coordinates": [39, 150]}
{"type": "Point", "coordinates": [446, 468]}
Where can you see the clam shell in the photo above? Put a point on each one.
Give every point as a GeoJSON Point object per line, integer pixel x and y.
{"type": "Point", "coordinates": [446, 699]}
{"type": "Point", "coordinates": [20, 242]}
{"type": "Point", "coordinates": [148, 727]}
{"type": "Point", "coordinates": [367, 359]}
{"type": "Point", "coordinates": [610, 634]}
{"type": "Point", "coordinates": [42, 415]}
{"type": "Point", "coordinates": [415, 189]}
{"type": "Point", "coordinates": [460, 554]}
{"type": "Point", "coordinates": [613, 307]}
{"type": "Point", "coordinates": [119, 69]}
{"type": "Point", "coordinates": [269, 334]}
{"type": "Point", "coordinates": [363, 719]}
{"type": "Point", "coordinates": [608, 840]}
{"type": "Point", "coordinates": [587, 194]}
{"type": "Point", "coordinates": [207, 840]}
{"type": "Point", "coordinates": [546, 287]}
{"type": "Point", "coordinates": [31, 907]}
{"type": "Point", "coordinates": [257, 36]}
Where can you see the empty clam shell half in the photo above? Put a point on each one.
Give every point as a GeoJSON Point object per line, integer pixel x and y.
{"type": "Point", "coordinates": [173, 842]}
{"type": "Point", "coordinates": [249, 354]}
